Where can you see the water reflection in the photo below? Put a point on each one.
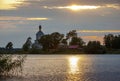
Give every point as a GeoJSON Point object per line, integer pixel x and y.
{"type": "Point", "coordinates": [73, 65]}
{"type": "Point", "coordinates": [73, 71]}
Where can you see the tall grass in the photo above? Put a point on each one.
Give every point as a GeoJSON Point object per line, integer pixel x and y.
{"type": "Point", "coordinates": [11, 64]}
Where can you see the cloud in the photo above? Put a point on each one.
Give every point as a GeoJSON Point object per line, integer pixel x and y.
{"type": "Point", "coordinates": [17, 4]}
{"type": "Point", "coordinates": [84, 7]}
{"type": "Point", "coordinates": [74, 7]}
{"type": "Point", "coordinates": [68, 2]}
{"type": "Point", "coordinates": [12, 23]}
{"type": "Point", "coordinates": [98, 31]}
{"type": "Point", "coordinates": [11, 18]}
{"type": "Point", "coordinates": [115, 6]}
{"type": "Point", "coordinates": [10, 4]}
{"type": "Point", "coordinates": [37, 18]}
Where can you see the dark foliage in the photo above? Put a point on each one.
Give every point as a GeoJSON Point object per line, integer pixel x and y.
{"type": "Point", "coordinates": [27, 44]}
{"type": "Point", "coordinates": [77, 41]}
{"type": "Point", "coordinates": [9, 46]}
{"type": "Point", "coordinates": [94, 47]}
{"type": "Point", "coordinates": [64, 41]}
{"type": "Point", "coordinates": [72, 33]}
{"type": "Point", "coordinates": [51, 41]}
{"type": "Point", "coordinates": [56, 39]}
{"type": "Point", "coordinates": [112, 41]}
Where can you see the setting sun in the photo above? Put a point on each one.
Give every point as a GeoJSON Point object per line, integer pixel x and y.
{"type": "Point", "coordinates": [80, 7]}
{"type": "Point", "coordinates": [74, 7]}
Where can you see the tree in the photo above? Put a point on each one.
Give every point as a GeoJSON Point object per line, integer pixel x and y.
{"type": "Point", "coordinates": [108, 40]}
{"type": "Point", "coordinates": [112, 41]}
{"type": "Point", "coordinates": [9, 45]}
{"type": "Point", "coordinates": [46, 42]}
{"type": "Point", "coordinates": [94, 47]}
{"type": "Point", "coordinates": [51, 41]}
{"type": "Point", "coordinates": [77, 41]}
{"type": "Point", "coordinates": [56, 39]}
{"type": "Point", "coordinates": [115, 42]}
{"type": "Point", "coordinates": [71, 34]}
{"type": "Point", "coordinates": [64, 41]}
{"type": "Point", "coordinates": [27, 44]}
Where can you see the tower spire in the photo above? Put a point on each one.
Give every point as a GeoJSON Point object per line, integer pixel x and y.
{"type": "Point", "coordinates": [40, 27]}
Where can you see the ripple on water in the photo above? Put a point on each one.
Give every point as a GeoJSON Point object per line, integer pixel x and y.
{"type": "Point", "coordinates": [69, 68]}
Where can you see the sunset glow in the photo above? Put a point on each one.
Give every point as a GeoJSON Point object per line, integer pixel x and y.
{"type": "Point", "coordinates": [92, 19]}
{"type": "Point", "coordinates": [37, 18]}
{"type": "Point", "coordinates": [22, 18]}
{"type": "Point", "coordinates": [9, 4]}
{"type": "Point", "coordinates": [98, 31]}
{"type": "Point", "coordinates": [78, 7]}
{"type": "Point", "coordinates": [75, 7]}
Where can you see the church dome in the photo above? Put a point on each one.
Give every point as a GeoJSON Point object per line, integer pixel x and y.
{"type": "Point", "coordinates": [39, 34]}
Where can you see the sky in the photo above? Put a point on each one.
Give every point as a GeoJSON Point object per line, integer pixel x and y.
{"type": "Point", "coordinates": [19, 19]}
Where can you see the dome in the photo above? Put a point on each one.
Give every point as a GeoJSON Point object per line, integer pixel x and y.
{"type": "Point", "coordinates": [39, 34]}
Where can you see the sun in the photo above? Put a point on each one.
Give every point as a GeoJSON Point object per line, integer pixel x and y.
{"type": "Point", "coordinates": [9, 4]}
{"type": "Point", "coordinates": [81, 7]}
{"type": "Point", "coordinates": [74, 7]}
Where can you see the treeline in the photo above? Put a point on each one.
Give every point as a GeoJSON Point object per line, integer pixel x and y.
{"type": "Point", "coordinates": [111, 45]}
{"type": "Point", "coordinates": [69, 43]}
{"type": "Point", "coordinates": [112, 41]}
{"type": "Point", "coordinates": [94, 47]}
{"type": "Point", "coordinates": [58, 42]}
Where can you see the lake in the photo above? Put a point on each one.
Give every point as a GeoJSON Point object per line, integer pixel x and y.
{"type": "Point", "coordinates": [70, 68]}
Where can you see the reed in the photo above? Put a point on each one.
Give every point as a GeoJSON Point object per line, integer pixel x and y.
{"type": "Point", "coordinates": [11, 64]}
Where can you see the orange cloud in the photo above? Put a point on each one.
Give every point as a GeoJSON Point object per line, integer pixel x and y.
{"type": "Point", "coordinates": [98, 31]}
{"type": "Point", "coordinates": [22, 18]}
{"type": "Point", "coordinates": [37, 18]}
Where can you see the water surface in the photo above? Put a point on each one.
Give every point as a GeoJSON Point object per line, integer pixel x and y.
{"type": "Point", "coordinates": [70, 68]}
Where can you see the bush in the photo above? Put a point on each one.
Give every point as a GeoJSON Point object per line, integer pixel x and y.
{"type": "Point", "coordinates": [10, 64]}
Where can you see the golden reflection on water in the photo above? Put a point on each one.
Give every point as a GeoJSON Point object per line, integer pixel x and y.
{"type": "Point", "coordinates": [73, 71]}
{"type": "Point", "coordinates": [73, 65]}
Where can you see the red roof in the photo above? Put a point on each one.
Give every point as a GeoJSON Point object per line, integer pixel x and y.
{"type": "Point", "coordinates": [73, 46]}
